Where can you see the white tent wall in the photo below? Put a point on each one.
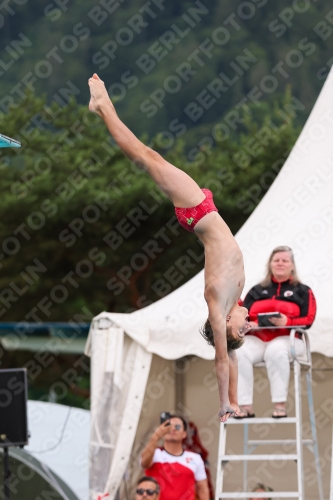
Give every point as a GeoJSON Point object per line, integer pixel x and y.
{"type": "Point", "coordinates": [120, 368]}
{"type": "Point", "coordinates": [66, 457]}
{"type": "Point", "coordinates": [297, 211]}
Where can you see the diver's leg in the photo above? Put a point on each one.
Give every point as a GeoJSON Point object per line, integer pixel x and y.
{"type": "Point", "coordinates": [182, 190]}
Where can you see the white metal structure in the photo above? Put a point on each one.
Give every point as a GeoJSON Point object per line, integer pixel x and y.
{"type": "Point", "coordinates": [298, 364]}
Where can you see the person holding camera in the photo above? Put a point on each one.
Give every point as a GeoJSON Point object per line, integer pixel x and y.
{"type": "Point", "coordinates": [180, 473]}
{"type": "Point", "coordinates": [279, 300]}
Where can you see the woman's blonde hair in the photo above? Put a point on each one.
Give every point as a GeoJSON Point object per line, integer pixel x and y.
{"type": "Point", "coordinates": [294, 276]}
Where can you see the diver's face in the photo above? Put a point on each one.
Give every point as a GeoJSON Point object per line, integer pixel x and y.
{"type": "Point", "coordinates": [239, 321]}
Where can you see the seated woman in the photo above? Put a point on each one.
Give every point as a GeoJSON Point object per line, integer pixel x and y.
{"type": "Point", "coordinates": [280, 291]}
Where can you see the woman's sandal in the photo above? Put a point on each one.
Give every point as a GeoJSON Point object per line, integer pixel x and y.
{"type": "Point", "coordinates": [246, 414]}
{"type": "Point", "coordinates": [280, 413]}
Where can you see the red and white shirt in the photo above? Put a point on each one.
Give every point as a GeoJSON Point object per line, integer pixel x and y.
{"type": "Point", "coordinates": [177, 474]}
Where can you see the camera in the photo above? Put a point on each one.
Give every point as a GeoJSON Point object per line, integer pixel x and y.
{"type": "Point", "coordinates": [164, 416]}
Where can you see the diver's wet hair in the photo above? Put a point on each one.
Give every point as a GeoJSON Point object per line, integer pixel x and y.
{"type": "Point", "coordinates": [232, 343]}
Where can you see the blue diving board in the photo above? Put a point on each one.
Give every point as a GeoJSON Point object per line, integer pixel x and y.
{"type": "Point", "coordinates": [8, 142]}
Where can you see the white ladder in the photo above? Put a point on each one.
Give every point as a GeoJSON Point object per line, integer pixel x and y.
{"type": "Point", "coordinates": [251, 445]}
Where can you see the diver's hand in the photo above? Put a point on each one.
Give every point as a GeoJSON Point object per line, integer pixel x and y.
{"type": "Point", "coordinates": [226, 411]}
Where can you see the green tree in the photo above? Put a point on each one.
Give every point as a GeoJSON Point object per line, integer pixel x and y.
{"type": "Point", "coordinates": [69, 43]}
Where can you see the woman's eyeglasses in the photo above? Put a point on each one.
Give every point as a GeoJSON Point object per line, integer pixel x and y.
{"type": "Point", "coordinates": [142, 491]}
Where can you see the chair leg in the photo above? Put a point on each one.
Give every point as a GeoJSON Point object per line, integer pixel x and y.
{"type": "Point", "coordinates": [246, 451]}
{"type": "Point", "coordinates": [314, 434]}
{"type": "Point", "coordinates": [220, 464]}
{"type": "Point", "coordinates": [299, 436]}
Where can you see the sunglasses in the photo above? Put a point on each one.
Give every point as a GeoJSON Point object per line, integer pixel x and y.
{"type": "Point", "coordinates": [141, 491]}
{"type": "Point", "coordinates": [177, 427]}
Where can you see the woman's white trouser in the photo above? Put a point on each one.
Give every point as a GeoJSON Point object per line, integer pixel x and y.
{"type": "Point", "coordinates": [276, 355]}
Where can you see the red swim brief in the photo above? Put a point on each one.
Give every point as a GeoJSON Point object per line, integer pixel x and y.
{"type": "Point", "coordinates": [189, 217]}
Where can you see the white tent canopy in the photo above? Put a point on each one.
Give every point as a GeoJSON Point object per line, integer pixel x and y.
{"type": "Point", "coordinates": [57, 449]}
{"type": "Point", "coordinates": [297, 211]}
{"type": "Point", "coordinates": [59, 440]}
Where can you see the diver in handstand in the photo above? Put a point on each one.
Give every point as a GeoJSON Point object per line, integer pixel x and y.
{"type": "Point", "coordinates": [227, 322]}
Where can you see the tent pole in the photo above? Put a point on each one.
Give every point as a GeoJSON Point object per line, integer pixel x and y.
{"type": "Point", "coordinates": [180, 367]}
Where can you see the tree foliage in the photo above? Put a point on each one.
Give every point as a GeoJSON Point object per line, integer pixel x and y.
{"type": "Point", "coordinates": [67, 42]}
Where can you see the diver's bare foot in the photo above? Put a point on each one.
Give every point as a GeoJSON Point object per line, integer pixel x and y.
{"type": "Point", "coordinates": [98, 95]}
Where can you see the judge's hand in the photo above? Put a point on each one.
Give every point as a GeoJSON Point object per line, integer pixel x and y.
{"type": "Point", "coordinates": [279, 321]}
